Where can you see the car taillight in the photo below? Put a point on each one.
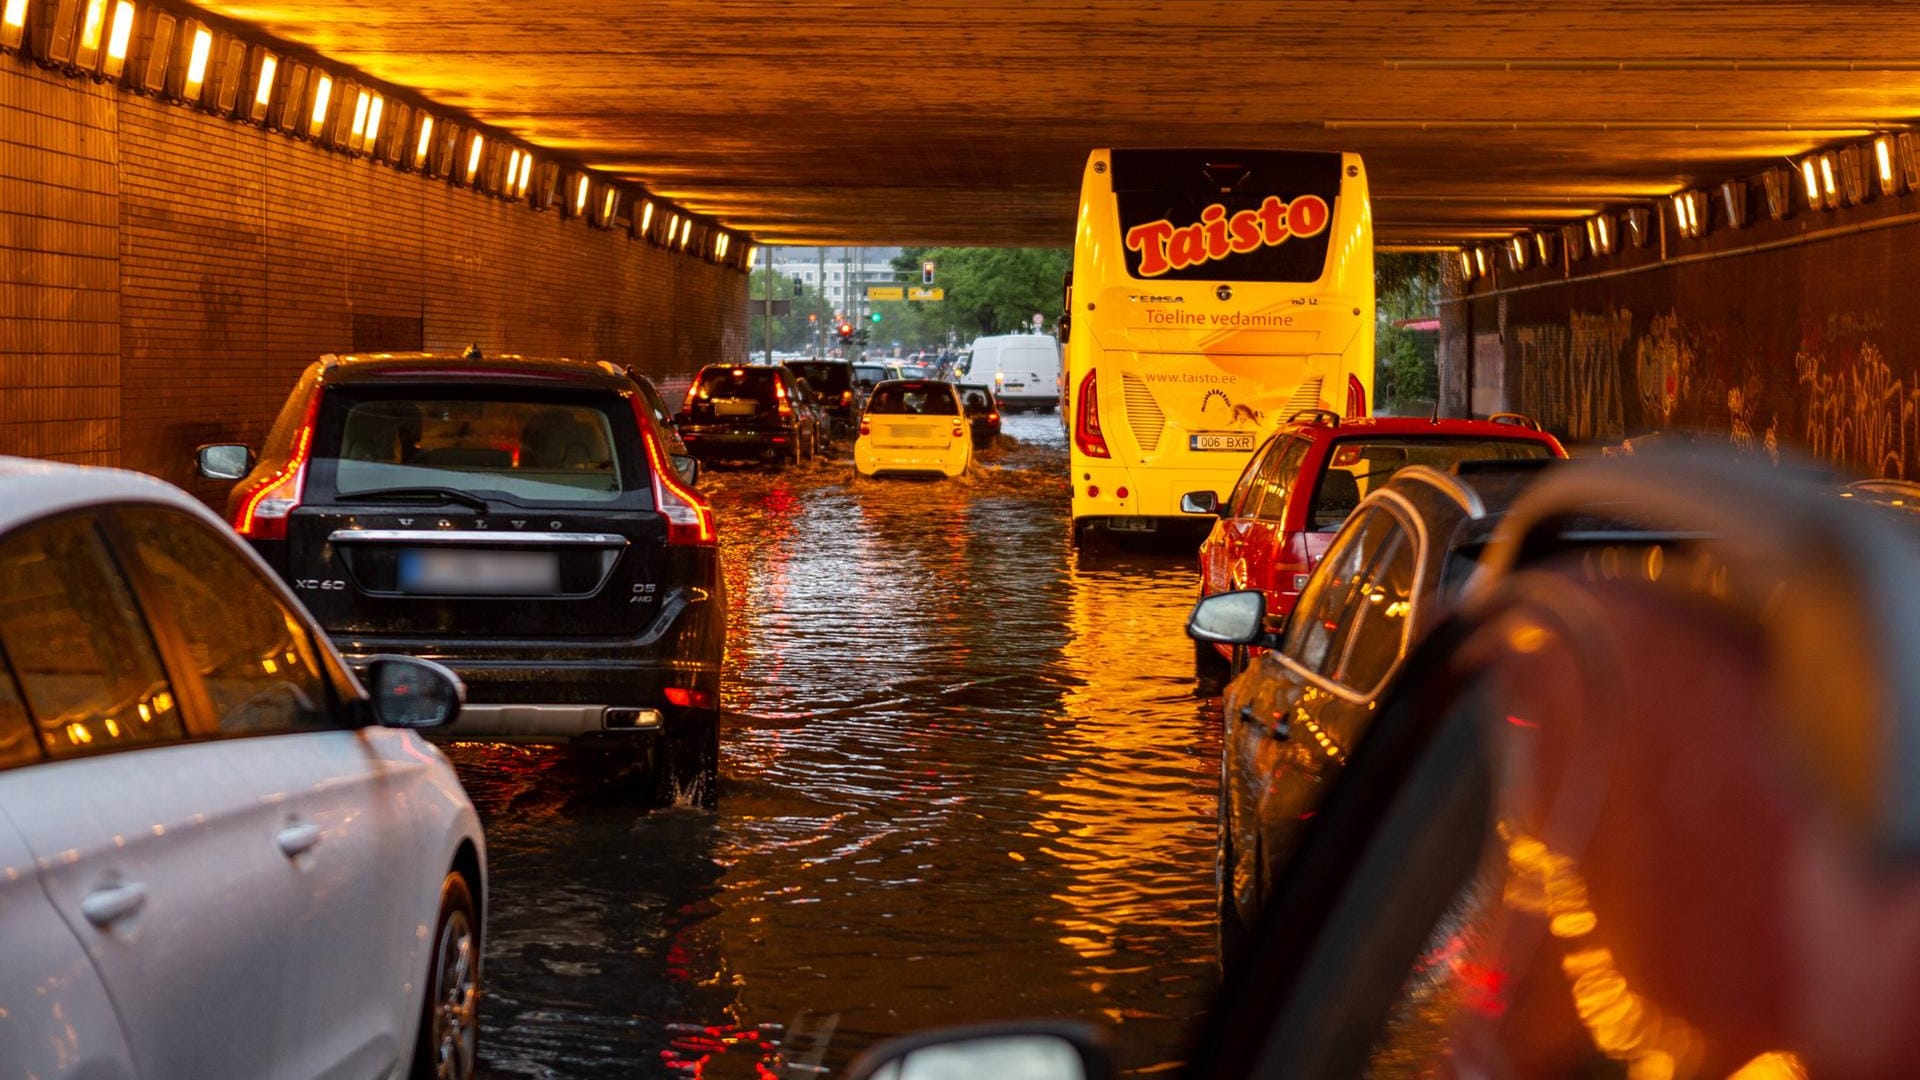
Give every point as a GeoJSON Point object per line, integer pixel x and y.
{"type": "Point", "coordinates": [1356, 396]}
{"type": "Point", "coordinates": [959, 429]}
{"type": "Point", "coordinates": [846, 397]}
{"type": "Point", "coordinates": [689, 518]}
{"type": "Point", "coordinates": [680, 695]}
{"type": "Point", "coordinates": [693, 389]}
{"type": "Point", "coordinates": [994, 416]}
{"type": "Point", "coordinates": [265, 507]}
{"type": "Point", "coordinates": [780, 393]}
{"type": "Point", "coordinates": [865, 428]}
{"type": "Point", "coordinates": [1086, 420]}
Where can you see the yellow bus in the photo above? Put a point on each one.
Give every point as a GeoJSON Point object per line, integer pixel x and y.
{"type": "Point", "coordinates": [1214, 294]}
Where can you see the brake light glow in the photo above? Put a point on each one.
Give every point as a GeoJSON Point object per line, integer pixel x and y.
{"type": "Point", "coordinates": [689, 518]}
{"type": "Point", "coordinates": [264, 510]}
{"type": "Point", "coordinates": [959, 429]}
{"type": "Point", "coordinates": [1356, 396]}
{"type": "Point", "coordinates": [865, 428]}
{"type": "Point", "coordinates": [846, 397]}
{"type": "Point", "coordinates": [1086, 420]}
{"type": "Point", "coordinates": [780, 393]}
{"type": "Point", "coordinates": [680, 695]}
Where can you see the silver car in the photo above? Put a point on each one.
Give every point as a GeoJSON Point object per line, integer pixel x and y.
{"type": "Point", "coordinates": [220, 856]}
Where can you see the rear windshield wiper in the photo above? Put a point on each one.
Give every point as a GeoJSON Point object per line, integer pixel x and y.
{"type": "Point", "coordinates": [401, 494]}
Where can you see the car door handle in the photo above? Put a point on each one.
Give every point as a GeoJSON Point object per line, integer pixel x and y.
{"type": "Point", "coordinates": [104, 907]}
{"type": "Point", "coordinates": [295, 839]}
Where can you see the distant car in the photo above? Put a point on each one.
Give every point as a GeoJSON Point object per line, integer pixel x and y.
{"type": "Point", "coordinates": [913, 427]}
{"type": "Point", "coordinates": [836, 383]}
{"type": "Point", "coordinates": [816, 410]}
{"type": "Point", "coordinates": [219, 854]}
{"type": "Point", "coordinates": [684, 463]}
{"type": "Point", "coordinates": [983, 413]}
{"type": "Point", "coordinates": [519, 521]}
{"type": "Point", "coordinates": [868, 376]}
{"type": "Point", "coordinates": [1301, 484]}
{"type": "Point", "coordinates": [1389, 576]}
{"type": "Point", "coordinates": [740, 412]}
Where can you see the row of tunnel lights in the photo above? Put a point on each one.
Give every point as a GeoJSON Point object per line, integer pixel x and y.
{"type": "Point", "coordinates": [1826, 180]}
{"type": "Point", "coordinates": [188, 61]}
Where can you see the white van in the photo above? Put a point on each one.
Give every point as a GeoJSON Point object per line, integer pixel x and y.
{"type": "Point", "coordinates": [1024, 369]}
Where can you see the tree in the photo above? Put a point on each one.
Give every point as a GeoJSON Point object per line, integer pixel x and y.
{"type": "Point", "coordinates": [791, 332]}
{"type": "Point", "coordinates": [1406, 288]}
{"type": "Point", "coordinates": [988, 290]}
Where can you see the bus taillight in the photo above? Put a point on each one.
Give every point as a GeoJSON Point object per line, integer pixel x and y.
{"type": "Point", "coordinates": [1086, 420]}
{"type": "Point", "coordinates": [1356, 396]}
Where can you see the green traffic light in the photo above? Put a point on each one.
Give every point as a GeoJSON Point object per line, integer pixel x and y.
{"type": "Point", "coordinates": [876, 316]}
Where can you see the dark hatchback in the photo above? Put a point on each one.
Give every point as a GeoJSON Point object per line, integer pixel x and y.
{"type": "Point", "coordinates": [518, 520]}
{"type": "Point", "coordinates": [833, 383]}
{"type": "Point", "coordinates": [983, 413]}
{"type": "Point", "coordinates": [743, 412]}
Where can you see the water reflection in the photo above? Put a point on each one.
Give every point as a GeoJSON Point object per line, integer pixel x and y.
{"type": "Point", "coordinates": [963, 778]}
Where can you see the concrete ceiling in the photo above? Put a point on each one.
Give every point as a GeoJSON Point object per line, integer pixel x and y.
{"type": "Point", "coordinates": [936, 121]}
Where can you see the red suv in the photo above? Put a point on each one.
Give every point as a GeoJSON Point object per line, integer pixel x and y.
{"type": "Point", "coordinates": [1301, 484]}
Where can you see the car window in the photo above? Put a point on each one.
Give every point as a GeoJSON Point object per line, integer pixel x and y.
{"type": "Point", "coordinates": [17, 744]}
{"type": "Point", "coordinates": [252, 652]}
{"type": "Point", "coordinates": [539, 450]}
{"type": "Point", "coordinates": [925, 399]}
{"type": "Point", "coordinates": [1358, 465]}
{"type": "Point", "coordinates": [1243, 487]}
{"type": "Point", "coordinates": [1320, 616]}
{"type": "Point", "coordinates": [1279, 480]}
{"type": "Point", "coordinates": [85, 660]}
{"type": "Point", "coordinates": [1374, 626]}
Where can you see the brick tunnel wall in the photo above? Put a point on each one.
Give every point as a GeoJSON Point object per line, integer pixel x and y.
{"type": "Point", "coordinates": [165, 275]}
{"type": "Point", "coordinates": [1807, 346]}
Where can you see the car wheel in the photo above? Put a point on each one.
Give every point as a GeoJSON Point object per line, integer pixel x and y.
{"type": "Point", "coordinates": [688, 771]}
{"type": "Point", "coordinates": [447, 1046]}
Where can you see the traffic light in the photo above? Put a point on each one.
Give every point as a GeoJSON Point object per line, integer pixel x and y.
{"type": "Point", "coordinates": [876, 316]}
{"type": "Point", "coordinates": [799, 284]}
{"type": "Point", "coordinates": [813, 318]}
{"type": "Point", "coordinates": [926, 273]}
{"type": "Point", "coordinates": [845, 329]}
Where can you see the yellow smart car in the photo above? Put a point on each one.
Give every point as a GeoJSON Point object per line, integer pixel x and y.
{"type": "Point", "coordinates": [913, 427]}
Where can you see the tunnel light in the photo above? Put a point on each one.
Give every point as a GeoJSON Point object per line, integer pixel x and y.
{"type": "Point", "coordinates": [423, 142]}
{"type": "Point", "coordinates": [513, 170]}
{"type": "Point", "coordinates": [1883, 165]}
{"type": "Point", "coordinates": [753, 255]}
{"type": "Point", "coordinates": [1573, 240]}
{"type": "Point", "coordinates": [1906, 157]}
{"type": "Point", "coordinates": [119, 40]}
{"type": "Point", "coordinates": [608, 207]}
{"type": "Point", "coordinates": [93, 30]}
{"type": "Point", "coordinates": [339, 131]}
{"type": "Point", "coordinates": [1778, 184]}
{"type": "Point", "coordinates": [582, 188]}
{"type": "Point", "coordinates": [199, 48]}
{"type": "Point", "coordinates": [1853, 175]}
{"type": "Point", "coordinates": [55, 23]}
{"type": "Point", "coordinates": [1518, 253]}
{"type": "Point", "coordinates": [646, 217]}
{"type": "Point", "coordinates": [476, 143]}
{"type": "Point", "coordinates": [1466, 264]}
{"type": "Point", "coordinates": [686, 233]}
{"type": "Point", "coordinates": [1480, 261]}
{"type": "Point", "coordinates": [376, 110]}
{"type": "Point", "coordinates": [357, 135]}
{"type": "Point", "coordinates": [320, 97]}
{"type": "Point", "coordinates": [229, 74]}
{"type": "Point", "coordinates": [1543, 246]}
{"type": "Point", "coordinates": [13, 24]}
{"type": "Point", "coordinates": [546, 186]}
{"type": "Point", "coordinates": [1639, 225]}
{"type": "Point", "coordinates": [1810, 173]}
{"type": "Point", "coordinates": [525, 176]}
{"type": "Point", "coordinates": [673, 228]}
{"type": "Point", "coordinates": [444, 159]}
{"type": "Point", "coordinates": [1686, 214]}
{"type": "Point", "coordinates": [156, 44]}
{"type": "Point", "coordinates": [1733, 199]}
{"type": "Point", "coordinates": [1829, 189]}
{"type": "Point", "coordinates": [289, 98]}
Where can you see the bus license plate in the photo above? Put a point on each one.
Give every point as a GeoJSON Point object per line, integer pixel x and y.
{"type": "Point", "coordinates": [1220, 442]}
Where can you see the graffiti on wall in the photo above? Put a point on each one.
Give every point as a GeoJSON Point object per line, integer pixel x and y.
{"type": "Point", "coordinates": [1861, 415]}
{"type": "Point", "coordinates": [1569, 376]}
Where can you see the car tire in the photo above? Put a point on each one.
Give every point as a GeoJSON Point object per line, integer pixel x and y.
{"type": "Point", "coordinates": [447, 1047]}
{"type": "Point", "coordinates": [688, 768]}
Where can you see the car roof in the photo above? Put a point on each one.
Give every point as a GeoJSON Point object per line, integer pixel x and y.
{"type": "Point", "coordinates": [1415, 425]}
{"type": "Point", "coordinates": [31, 489]}
{"type": "Point", "coordinates": [352, 368]}
{"type": "Point", "coordinates": [912, 384]}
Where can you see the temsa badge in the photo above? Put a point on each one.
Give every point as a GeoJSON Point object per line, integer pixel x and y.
{"type": "Point", "coordinates": [1164, 247]}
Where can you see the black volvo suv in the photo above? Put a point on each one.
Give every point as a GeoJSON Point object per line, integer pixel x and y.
{"type": "Point", "coordinates": [518, 520]}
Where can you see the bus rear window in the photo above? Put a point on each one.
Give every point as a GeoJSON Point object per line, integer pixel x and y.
{"type": "Point", "coordinates": [1274, 218]}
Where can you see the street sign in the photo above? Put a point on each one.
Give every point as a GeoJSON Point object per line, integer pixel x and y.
{"type": "Point", "coordinates": [885, 292]}
{"type": "Point", "coordinates": [925, 294]}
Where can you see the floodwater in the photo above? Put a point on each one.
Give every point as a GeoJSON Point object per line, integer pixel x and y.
{"type": "Point", "coordinates": [963, 779]}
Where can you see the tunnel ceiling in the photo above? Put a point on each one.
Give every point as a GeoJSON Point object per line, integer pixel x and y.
{"type": "Point", "coordinates": [968, 123]}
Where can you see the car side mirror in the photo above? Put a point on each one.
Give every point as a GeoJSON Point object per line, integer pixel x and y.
{"type": "Point", "coordinates": [1200, 502]}
{"type": "Point", "coordinates": [1231, 618]}
{"type": "Point", "coordinates": [1031, 1051]}
{"type": "Point", "coordinates": [407, 692]}
{"type": "Point", "coordinates": [223, 461]}
{"type": "Point", "coordinates": [688, 468]}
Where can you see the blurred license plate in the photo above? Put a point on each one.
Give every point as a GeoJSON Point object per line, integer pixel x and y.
{"type": "Point", "coordinates": [432, 570]}
{"type": "Point", "coordinates": [735, 406]}
{"type": "Point", "coordinates": [1016, 386]}
{"type": "Point", "coordinates": [1220, 442]}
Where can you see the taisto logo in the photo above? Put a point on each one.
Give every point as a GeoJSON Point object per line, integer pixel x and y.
{"type": "Point", "coordinates": [1217, 235]}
